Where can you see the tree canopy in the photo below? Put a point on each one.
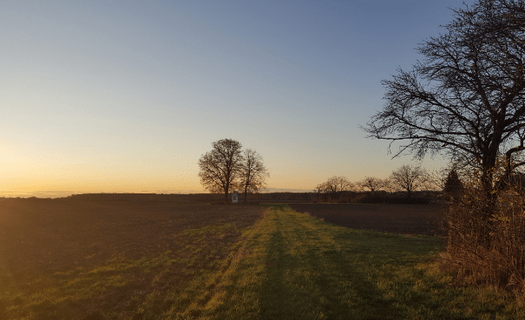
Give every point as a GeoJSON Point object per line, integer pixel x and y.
{"type": "Point", "coordinates": [253, 172]}
{"type": "Point", "coordinates": [220, 168]}
{"type": "Point", "coordinates": [466, 98]}
{"type": "Point", "coordinates": [453, 184]}
{"type": "Point", "coordinates": [409, 179]}
{"type": "Point", "coordinates": [227, 167]}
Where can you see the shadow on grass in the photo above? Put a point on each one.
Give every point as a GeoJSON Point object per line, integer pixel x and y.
{"type": "Point", "coordinates": [302, 288]}
{"type": "Point", "coordinates": [316, 271]}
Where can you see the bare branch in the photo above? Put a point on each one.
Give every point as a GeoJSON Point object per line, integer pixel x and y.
{"type": "Point", "coordinates": [466, 99]}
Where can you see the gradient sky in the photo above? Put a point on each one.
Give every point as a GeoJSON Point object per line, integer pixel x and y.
{"type": "Point", "coordinates": [125, 96]}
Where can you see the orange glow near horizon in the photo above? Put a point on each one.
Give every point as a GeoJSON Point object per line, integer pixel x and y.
{"type": "Point", "coordinates": [55, 185]}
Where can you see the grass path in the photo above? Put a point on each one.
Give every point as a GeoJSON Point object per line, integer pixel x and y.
{"type": "Point", "coordinates": [294, 266]}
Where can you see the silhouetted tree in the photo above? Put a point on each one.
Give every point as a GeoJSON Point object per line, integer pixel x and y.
{"type": "Point", "coordinates": [466, 98]}
{"type": "Point", "coordinates": [453, 185]}
{"type": "Point", "coordinates": [408, 178]}
{"type": "Point", "coordinates": [334, 186]}
{"type": "Point", "coordinates": [320, 189]}
{"type": "Point", "coordinates": [253, 173]}
{"type": "Point", "coordinates": [372, 184]}
{"type": "Point", "coordinates": [220, 168]}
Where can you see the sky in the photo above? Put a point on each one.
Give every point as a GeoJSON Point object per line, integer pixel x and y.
{"type": "Point", "coordinates": [126, 96]}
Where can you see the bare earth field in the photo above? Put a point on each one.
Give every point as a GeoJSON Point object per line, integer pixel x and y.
{"type": "Point", "coordinates": [40, 235]}
{"type": "Point", "coordinates": [392, 218]}
{"type": "Point", "coordinates": [42, 238]}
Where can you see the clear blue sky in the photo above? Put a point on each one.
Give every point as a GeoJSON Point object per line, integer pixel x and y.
{"type": "Point", "coordinates": [125, 96]}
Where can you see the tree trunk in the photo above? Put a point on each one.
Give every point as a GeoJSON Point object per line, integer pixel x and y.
{"type": "Point", "coordinates": [491, 197]}
{"type": "Point", "coordinates": [226, 192]}
{"type": "Point", "coordinates": [487, 183]}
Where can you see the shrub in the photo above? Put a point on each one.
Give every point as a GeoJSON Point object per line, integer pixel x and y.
{"type": "Point", "coordinates": [453, 186]}
{"type": "Point", "coordinates": [486, 238]}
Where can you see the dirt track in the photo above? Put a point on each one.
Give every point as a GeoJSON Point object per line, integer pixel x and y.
{"type": "Point", "coordinates": [393, 218]}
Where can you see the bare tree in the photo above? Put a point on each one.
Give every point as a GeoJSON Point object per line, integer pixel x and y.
{"type": "Point", "coordinates": [466, 99]}
{"type": "Point", "coordinates": [408, 178]}
{"type": "Point", "coordinates": [372, 184]}
{"type": "Point", "coordinates": [436, 178]}
{"type": "Point", "coordinates": [253, 173]}
{"type": "Point", "coordinates": [389, 185]}
{"type": "Point", "coordinates": [221, 167]}
{"type": "Point", "coordinates": [338, 184]}
{"type": "Point", "coordinates": [320, 189]}
{"type": "Point", "coordinates": [334, 186]}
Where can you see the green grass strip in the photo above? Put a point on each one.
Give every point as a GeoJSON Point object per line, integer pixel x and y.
{"type": "Point", "coordinates": [293, 266]}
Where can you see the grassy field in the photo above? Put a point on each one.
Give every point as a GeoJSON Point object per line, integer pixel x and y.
{"type": "Point", "coordinates": [287, 265]}
{"type": "Point", "coordinates": [301, 268]}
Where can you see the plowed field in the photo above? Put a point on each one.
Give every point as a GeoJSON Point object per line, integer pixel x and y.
{"type": "Point", "coordinates": [392, 218]}
{"type": "Point", "coordinates": [42, 235]}
{"type": "Point", "coordinates": [66, 259]}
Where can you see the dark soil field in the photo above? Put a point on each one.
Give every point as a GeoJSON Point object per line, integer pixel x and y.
{"type": "Point", "coordinates": [47, 238]}
{"type": "Point", "coordinates": [392, 218]}
{"type": "Point", "coordinates": [42, 235]}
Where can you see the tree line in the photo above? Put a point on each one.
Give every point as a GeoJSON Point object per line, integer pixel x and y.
{"type": "Point", "coordinates": [406, 178]}
{"type": "Point", "coordinates": [228, 167]}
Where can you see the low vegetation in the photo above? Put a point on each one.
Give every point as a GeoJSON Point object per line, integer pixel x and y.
{"type": "Point", "coordinates": [304, 268]}
{"type": "Point", "coordinates": [113, 259]}
{"type": "Point", "coordinates": [287, 265]}
{"type": "Point", "coordinates": [486, 236]}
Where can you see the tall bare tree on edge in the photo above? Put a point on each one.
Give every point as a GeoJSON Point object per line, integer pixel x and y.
{"type": "Point", "coordinates": [466, 99]}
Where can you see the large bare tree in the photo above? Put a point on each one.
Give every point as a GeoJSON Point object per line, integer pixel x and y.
{"type": "Point", "coordinates": [253, 173]}
{"type": "Point", "coordinates": [466, 98]}
{"type": "Point", "coordinates": [221, 167]}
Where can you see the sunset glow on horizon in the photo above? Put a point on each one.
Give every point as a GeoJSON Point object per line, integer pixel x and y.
{"type": "Point", "coordinates": [125, 96]}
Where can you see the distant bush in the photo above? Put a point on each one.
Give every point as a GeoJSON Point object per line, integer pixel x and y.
{"type": "Point", "coordinates": [421, 197]}
{"type": "Point", "coordinates": [397, 200]}
{"type": "Point", "coordinates": [453, 187]}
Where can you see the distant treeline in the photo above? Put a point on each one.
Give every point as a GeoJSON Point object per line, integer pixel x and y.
{"type": "Point", "coordinates": [146, 197]}
{"type": "Point", "coordinates": [344, 197]}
